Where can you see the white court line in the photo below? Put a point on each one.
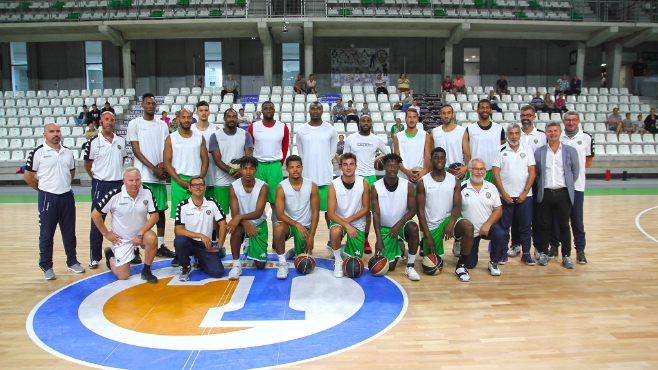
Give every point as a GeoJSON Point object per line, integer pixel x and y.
{"type": "Point", "coordinates": [637, 223]}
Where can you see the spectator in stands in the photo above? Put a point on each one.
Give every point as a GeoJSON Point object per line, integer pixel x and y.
{"type": "Point", "coordinates": [549, 106]}
{"type": "Point", "coordinates": [91, 131]}
{"type": "Point", "coordinates": [560, 104]}
{"type": "Point", "coordinates": [414, 104]}
{"type": "Point", "coordinates": [365, 110]}
{"type": "Point", "coordinates": [446, 86]}
{"type": "Point", "coordinates": [243, 120]}
{"type": "Point", "coordinates": [627, 125]}
{"type": "Point", "coordinates": [173, 125]}
{"type": "Point", "coordinates": [407, 100]}
{"type": "Point", "coordinates": [300, 84]}
{"type": "Point", "coordinates": [351, 112]}
{"type": "Point", "coordinates": [501, 86]}
{"type": "Point", "coordinates": [459, 84]}
{"type": "Point", "coordinates": [650, 122]}
{"type": "Point", "coordinates": [230, 87]}
{"type": "Point", "coordinates": [340, 146]}
{"type": "Point", "coordinates": [107, 108]}
{"type": "Point", "coordinates": [493, 100]}
{"type": "Point", "coordinates": [257, 117]}
{"type": "Point", "coordinates": [81, 119]}
{"type": "Point", "coordinates": [639, 125]}
{"type": "Point", "coordinates": [575, 86]}
{"type": "Point", "coordinates": [397, 127]}
{"type": "Point", "coordinates": [381, 85]}
{"type": "Point", "coordinates": [538, 102]}
{"type": "Point", "coordinates": [614, 121]}
{"type": "Point", "coordinates": [562, 86]}
{"type": "Point", "coordinates": [403, 83]}
{"type": "Point", "coordinates": [311, 85]}
{"type": "Point", "coordinates": [164, 118]}
{"type": "Point", "coordinates": [638, 69]}
{"type": "Point", "coordinates": [94, 115]}
{"type": "Point", "coordinates": [338, 111]}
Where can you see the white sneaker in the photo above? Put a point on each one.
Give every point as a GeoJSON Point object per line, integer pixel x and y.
{"type": "Point", "coordinates": [493, 268]}
{"type": "Point", "coordinates": [282, 271]}
{"type": "Point", "coordinates": [462, 273]}
{"type": "Point", "coordinates": [514, 250]}
{"type": "Point", "coordinates": [338, 269]}
{"type": "Point", "coordinates": [411, 273]}
{"type": "Point", "coordinates": [235, 273]}
{"type": "Point", "coordinates": [457, 248]}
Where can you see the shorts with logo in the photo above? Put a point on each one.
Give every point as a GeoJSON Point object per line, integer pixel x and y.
{"type": "Point", "coordinates": [221, 195]}
{"type": "Point", "coordinates": [391, 245]}
{"type": "Point", "coordinates": [178, 194]}
{"type": "Point", "coordinates": [272, 174]}
{"type": "Point", "coordinates": [437, 236]}
{"type": "Point", "coordinates": [322, 192]}
{"type": "Point", "coordinates": [123, 253]}
{"type": "Point", "coordinates": [300, 244]}
{"type": "Point", "coordinates": [159, 193]}
{"type": "Point", "coordinates": [353, 246]}
{"type": "Point", "coordinates": [257, 250]}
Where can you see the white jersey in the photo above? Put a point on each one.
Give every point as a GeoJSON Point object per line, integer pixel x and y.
{"type": "Point", "coordinates": [212, 168]}
{"type": "Point", "coordinates": [392, 204]}
{"type": "Point", "coordinates": [365, 148]}
{"type": "Point", "coordinates": [535, 139]}
{"type": "Point", "coordinates": [485, 142]}
{"type": "Point", "coordinates": [151, 136]}
{"type": "Point", "coordinates": [317, 147]}
{"type": "Point", "coordinates": [451, 141]}
{"type": "Point", "coordinates": [128, 214]}
{"type": "Point", "coordinates": [107, 157]}
{"type": "Point", "coordinates": [477, 207]}
{"type": "Point", "coordinates": [53, 168]}
{"type": "Point", "coordinates": [231, 147]}
{"type": "Point", "coordinates": [412, 150]}
{"type": "Point", "coordinates": [350, 201]}
{"type": "Point", "coordinates": [514, 168]}
{"type": "Point", "coordinates": [199, 220]}
{"type": "Point", "coordinates": [438, 199]}
{"type": "Point", "coordinates": [583, 143]}
{"type": "Point", "coordinates": [267, 141]}
{"type": "Point", "coordinates": [248, 201]}
{"type": "Point", "coordinates": [185, 153]}
{"type": "Point", "coordinates": [298, 203]}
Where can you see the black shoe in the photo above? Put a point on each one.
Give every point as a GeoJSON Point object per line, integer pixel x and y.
{"type": "Point", "coordinates": [108, 254]}
{"type": "Point", "coordinates": [580, 257]}
{"type": "Point", "coordinates": [174, 262]}
{"type": "Point", "coordinates": [553, 252]}
{"type": "Point", "coordinates": [138, 259]}
{"type": "Point", "coordinates": [164, 252]}
{"type": "Point", "coordinates": [148, 276]}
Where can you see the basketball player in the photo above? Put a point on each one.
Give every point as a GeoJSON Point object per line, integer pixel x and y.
{"type": "Point", "coordinates": [147, 136]}
{"type": "Point", "coordinates": [271, 141]}
{"type": "Point", "coordinates": [348, 202]}
{"type": "Point", "coordinates": [228, 144]}
{"type": "Point", "coordinates": [49, 170]}
{"type": "Point", "coordinates": [365, 145]}
{"type": "Point", "coordinates": [195, 220]}
{"type": "Point", "coordinates": [297, 208]}
{"type": "Point", "coordinates": [450, 137]}
{"type": "Point", "coordinates": [413, 146]}
{"type": "Point", "coordinates": [104, 155]}
{"type": "Point", "coordinates": [134, 213]}
{"type": "Point", "coordinates": [205, 129]}
{"type": "Point", "coordinates": [396, 197]}
{"type": "Point", "coordinates": [483, 138]}
{"type": "Point", "coordinates": [438, 195]}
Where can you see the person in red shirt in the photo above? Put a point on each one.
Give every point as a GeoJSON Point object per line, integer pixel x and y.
{"type": "Point", "coordinates": [446, 86]}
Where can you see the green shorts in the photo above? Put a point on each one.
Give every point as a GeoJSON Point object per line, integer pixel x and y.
{"type": "Point", "coordinates": [391, 246]}
{"type": "Point", "coordinates": [258, 246]}
{"type": "Point", "coordinates": [272, 174]}
{"type": "Point", "coordinates": [300, 244]}
{"type": "Point", "coordinates": [371, 179]}
{"type": "Point", "coordinates": [437, 235]}
{"type": "Point", "coordinates": [221, 195]}
{"type": "Point", "coordinates": [160, 193]}
{"type": "Point", "coordinates": [178, 194]}
{"type": "Point", "coordinates": [322, 190]}
{"type": "Point", "coordinates": [353, 246]}
{"type": "Point", "coordinates": [210, 192]}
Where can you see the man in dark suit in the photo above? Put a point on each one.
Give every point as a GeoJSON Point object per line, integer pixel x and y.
{"type": "Point", "coordinates": [557, 168]}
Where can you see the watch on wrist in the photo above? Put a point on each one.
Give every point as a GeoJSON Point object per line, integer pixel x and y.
{"type": "Point", "coordinates": [140, 236]}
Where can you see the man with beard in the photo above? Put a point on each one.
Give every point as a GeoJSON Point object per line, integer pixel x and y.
{"type": "Point", "coordinates": [483, 138]}
{"type": "Point", "coordinates": [514, 174]}
{"type": "Point", "coordinates": [365, 145]}
{"type": "Point", "coordinates": [413, 146]}
{"type": "Point", "coordinates": [450, 137]}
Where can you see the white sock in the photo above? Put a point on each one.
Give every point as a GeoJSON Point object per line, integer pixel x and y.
{"type": "Point", "coordinates": [282, 258]}
{"type": "Point", "coordinates": [160, 241]}
{"type": "Point", "coordinates": [236, 263]}
{"type": "Point", "coordinates": [246, 242]}
{"type": "Point", "coordinates": [337, 255]}
{"type": "Point", "coordinates": [411, 260]}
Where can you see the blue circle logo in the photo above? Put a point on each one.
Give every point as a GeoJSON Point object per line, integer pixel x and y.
{"type": "Point", "coordinates": [257, 321]}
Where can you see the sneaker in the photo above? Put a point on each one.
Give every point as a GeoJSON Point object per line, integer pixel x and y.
{"type": "Point", "coordinates": [503, 259]}
{"type": "Point", "coordinates": [462, 273]}
{"type": "Point", "coordinates": [290, 255]}
{"type": "Point", "coordinates": [329, 245]}
{"type": "Point", "coordinates": [514, 250]}
{"type": "Point", "coordinates": [93, 264]}
{"type": "Point", "coordinates": [367, 249]}
{"type": "Point", "coordinates": [49, 274]}
{"type": "Point", "coordinates": [411, 273]}
{"type": "Point", "coordinates": [138, 259]}
{"type": "Point", "coordinates": [457, 249]}
{"type": "Point", "coordinates": [185, 273]}
{"type": "Point", "coordinates": [580, 257]}
{"type": "Point", "coordinates": [282, 271]}
{"type": "Point", "coordinates": [222, 252]}
{"type": "Point", "coordinates": [235, 273]}
{"type": "Point", "coordinates": [527, 258]}
{"type": "Point", "coordinates": [567, 262]}
{"type": "Point", "coordinates": [108, 254]}
{"type": "Point", "coordinates": [338, 269]}
{"type": "Point", "coordinates": [174, 261]}
{"type": "Point", "coordinates": [148, 276]}
{"type": "Point", "coordinates": [164, 252]}
{"type": "Point", "coordinates": [537, 253]}
{"type": "Point", "coordinates": [552, 253]}
{"type": "Point", "coordinates": [493, 268]}
{"type": "Point", "coordinates": [543, 259]}
{"type": "Point", "coordinates": [76, 268]}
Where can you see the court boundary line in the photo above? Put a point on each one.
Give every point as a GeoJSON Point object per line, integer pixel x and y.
{"type": "Point", "coordinates": [637, 223]}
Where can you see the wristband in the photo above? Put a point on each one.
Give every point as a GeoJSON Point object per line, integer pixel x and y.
{"type": "Point", "coordinates": [231, 171]}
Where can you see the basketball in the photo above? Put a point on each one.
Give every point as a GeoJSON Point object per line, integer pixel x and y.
{"type": "Point", "coordinates": [417, 169]}
{"type": "Point", "coordinates": [353, 267]}
{"type": "Point", "coordinates": [378, 265]}
{"type": "Point", "coordinates": [432, 264]}
{"type": "Point", "coordinates": [379, 163]}
{"type": "Point", "coordinates": [235, 164]}
{"type": "Point", "coordinates": [304, 264]}
{"type": "Point", "coordinates": [453, 168]}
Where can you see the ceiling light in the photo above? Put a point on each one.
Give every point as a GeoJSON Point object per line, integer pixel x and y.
{"type": "Point", "coordinates": [474, 56]}
{"type": "Point", "coordinates": [603, 64]}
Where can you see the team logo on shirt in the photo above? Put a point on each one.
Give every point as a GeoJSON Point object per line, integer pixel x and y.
{"type": "Point", "coordinates": [580, 143]}
{"type": "Point", "coordinates": [146, 202]}
{"type": "Point", "coordinates": [536, 141]}
{"type": "Point", "coordinates": [488, 195]}
{"type": "Point", "coordinates": [119, 147]}
{"type": "Point", "coordinates": [522, 155]}
{"type": "Point", "coordinates": [208, 212]}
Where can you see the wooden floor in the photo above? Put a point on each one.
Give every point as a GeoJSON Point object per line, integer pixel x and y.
{"type": "Point", "coordinates": [601, 315]}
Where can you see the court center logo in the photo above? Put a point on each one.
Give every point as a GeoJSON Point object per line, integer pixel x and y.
{"type": "Point", "coordinates": [254, 322]}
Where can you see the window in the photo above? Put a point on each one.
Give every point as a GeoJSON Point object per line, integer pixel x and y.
{"type": "Point", "coordinates": [290, 64]}
{"type": "Point", "coordinates": [19, 66]}
{"type": "Point", "coordinates": [213, 60]}
{"type": "Point", "coordinates": [94, 64]}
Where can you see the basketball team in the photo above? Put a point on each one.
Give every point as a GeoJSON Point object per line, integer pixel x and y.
{"type": "Point", "coordinates": [467, 184]}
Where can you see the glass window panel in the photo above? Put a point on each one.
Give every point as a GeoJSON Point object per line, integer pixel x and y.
{"type": "Point", "coordinates": [290, 72]}
{"type": "Point", "coordinates": [18, 53]}
{"type": "Point", "coordinates": [93, 52]}
{"type": "Point", "coordinates": [213, 51]}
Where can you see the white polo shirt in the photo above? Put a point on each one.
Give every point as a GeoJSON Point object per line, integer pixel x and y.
{"type": "Point", "coordinates": [317, 147]}
{"type": "Point", "coordinates": [477, 207]}
{"type": "Point", "coordinates": [53, 169]}
{"type": "Point", "coordinates": [583, 143]}
{"type": "Point", "coordinates": [198, 220]}
{"type": "Point", "coordinates": [151, 136]}
{"type": "Point", "coordinates": [128, 214]}
{"type": "Point", "coordinates": [514, 167]}
{"type": "Point", "coordinates": [365, 148]}
{"type": "Point", "coordinates": [107, 157]}
{"type": "Point", "coordinates": [535, 139]}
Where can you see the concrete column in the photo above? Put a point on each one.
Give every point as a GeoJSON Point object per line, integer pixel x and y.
{"type": "Point", "coordinates": [268, 64]}
{"type": "Point", "coordinates": [128, 75]}
{"type": "Point", "coordinates": [308, 49]}
{"type": "Point", "coordinates": [447, 60]}
{"type": "Point", "coordinates": [613, 60]}
{"type": "Point", "coordinates": [579, 68]}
